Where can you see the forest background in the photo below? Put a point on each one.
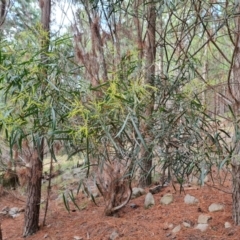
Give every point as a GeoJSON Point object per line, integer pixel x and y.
{"type": "Point", "coordinates": [134, 88]}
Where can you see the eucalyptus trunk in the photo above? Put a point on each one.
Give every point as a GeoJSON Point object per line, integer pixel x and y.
{"type": "Point", "coordinates": [150, 55]}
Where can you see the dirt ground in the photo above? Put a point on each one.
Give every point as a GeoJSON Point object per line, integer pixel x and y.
{"type": "Point", "coordinates": [130, 223]}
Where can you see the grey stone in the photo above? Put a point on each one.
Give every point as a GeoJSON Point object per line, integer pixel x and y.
{"type": "Point", "coordinates": [149, 200]}
{"type": "Point", "coordinates": [114, 235]}
{"type": "Point", "coordinates": [227, 225]}
{"type": "Point", "coordinates": [133, 205]}
{"type": "Point", "coordinates": [137, 192]}
{"type": "Point", "coordinates": [167, 226]}
{"type": "Point", "coordinates": [203, 218]}
{"type": "Point", "coordinates": [77, 238]}
{"type": "Point", "coordinates": [215, 207]}
{"type": "Point", "coordinates": [188, 199]}
{"type": "Point", "coordinates": [186, 224]}
{"type": "Point", "coordinates": [13, 211]}
{"type": "Point", "coordinates": [202, 227]}
{"type": "Point", "coordinates": [170, 226]}
{"type": "Point", "coordinates": [166, 199]}
{"type": "Point", "coordinates": [176, 229]}
{"type": "Point", "coordinates": [142, 191]}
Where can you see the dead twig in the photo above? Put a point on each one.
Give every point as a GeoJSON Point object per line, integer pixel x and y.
{"type": "Point", "coordinates": [218, 188]}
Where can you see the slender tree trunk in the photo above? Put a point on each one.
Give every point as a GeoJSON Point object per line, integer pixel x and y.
{"type": "Point", "coordinates": [205, 72]}
{"type": "Point", "coordinates": [234, 88]}
{"type": "Point", "coordinates": [48, 192]}
{"type": "Point", "coordinates": [1, 238]}
{"type": "Point", "coordinates": [236, 191]}
{"type": "Point", "coordinates": [150, 55]}
{"type": "Point", "coordinates": [32, 210]}
{"type": "Point", "coordinates": [3, 11]}
{"type": "Point", "coordinates": [139, 27]}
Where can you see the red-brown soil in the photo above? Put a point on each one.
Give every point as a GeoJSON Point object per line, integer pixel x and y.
{"type": "Point", "coordinates": [138, 223]}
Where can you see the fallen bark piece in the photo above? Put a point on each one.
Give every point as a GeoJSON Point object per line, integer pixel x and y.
{"type": "Point", "coordinates": [156, 189]}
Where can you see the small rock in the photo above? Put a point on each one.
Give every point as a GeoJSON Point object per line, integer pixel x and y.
{"type": "Point", "coordinates": [13, 211]}
{"type": "Point", "coordinates": [215, 207]}
{"type": "Point", "coordinates": [142, 191]}
{"type": "Point", "coordinates": [167, 226]}
{"type": "Point", "coordinates": [77, 238]}
{"type": "Point", "coordinates": [114, 235]}
{"type": "Point", "coordinates": [149, 200]}
{"type": "Point", "coordinates": [45, 236]}
{"type": "Point", "coordinates": [227, 225]}
{"type": "Point", "coordinates": [202, 227]}
{"type": "Point", "coordinates": [190, 199]}
{"type": "Point", "coordinates": [203, 219]}
{"type": "Point", "coordinates": [167, 199]}
{"type": "Point", "coordinates": [137, 192]}
{"type": "Point", "coordinates": [168, 234]}
{"type": "Point", "coordinates": [186, 224]}
{"type": "Point", "coordinates": [15, 215]}
{"type": "Point", "coordinates": [133, 205]}
{"type": "Point", "coordinates": [176, 229]}
{"type": "Point", "coordinates": [170, 226]}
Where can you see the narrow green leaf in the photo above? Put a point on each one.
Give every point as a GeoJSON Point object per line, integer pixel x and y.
{"type": "Point", "coordinates": [66, 204]}
{"type": "Point", "coordinates": [93, 199]}
{"type": "Point", "coordinates": [73, 199]}
{"type": "Point", "coordinates": [53, 118]}
{"type": "Point", "coordinates": [123, 126]}
{"type": "Point", "coordinates": [138, 133]}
